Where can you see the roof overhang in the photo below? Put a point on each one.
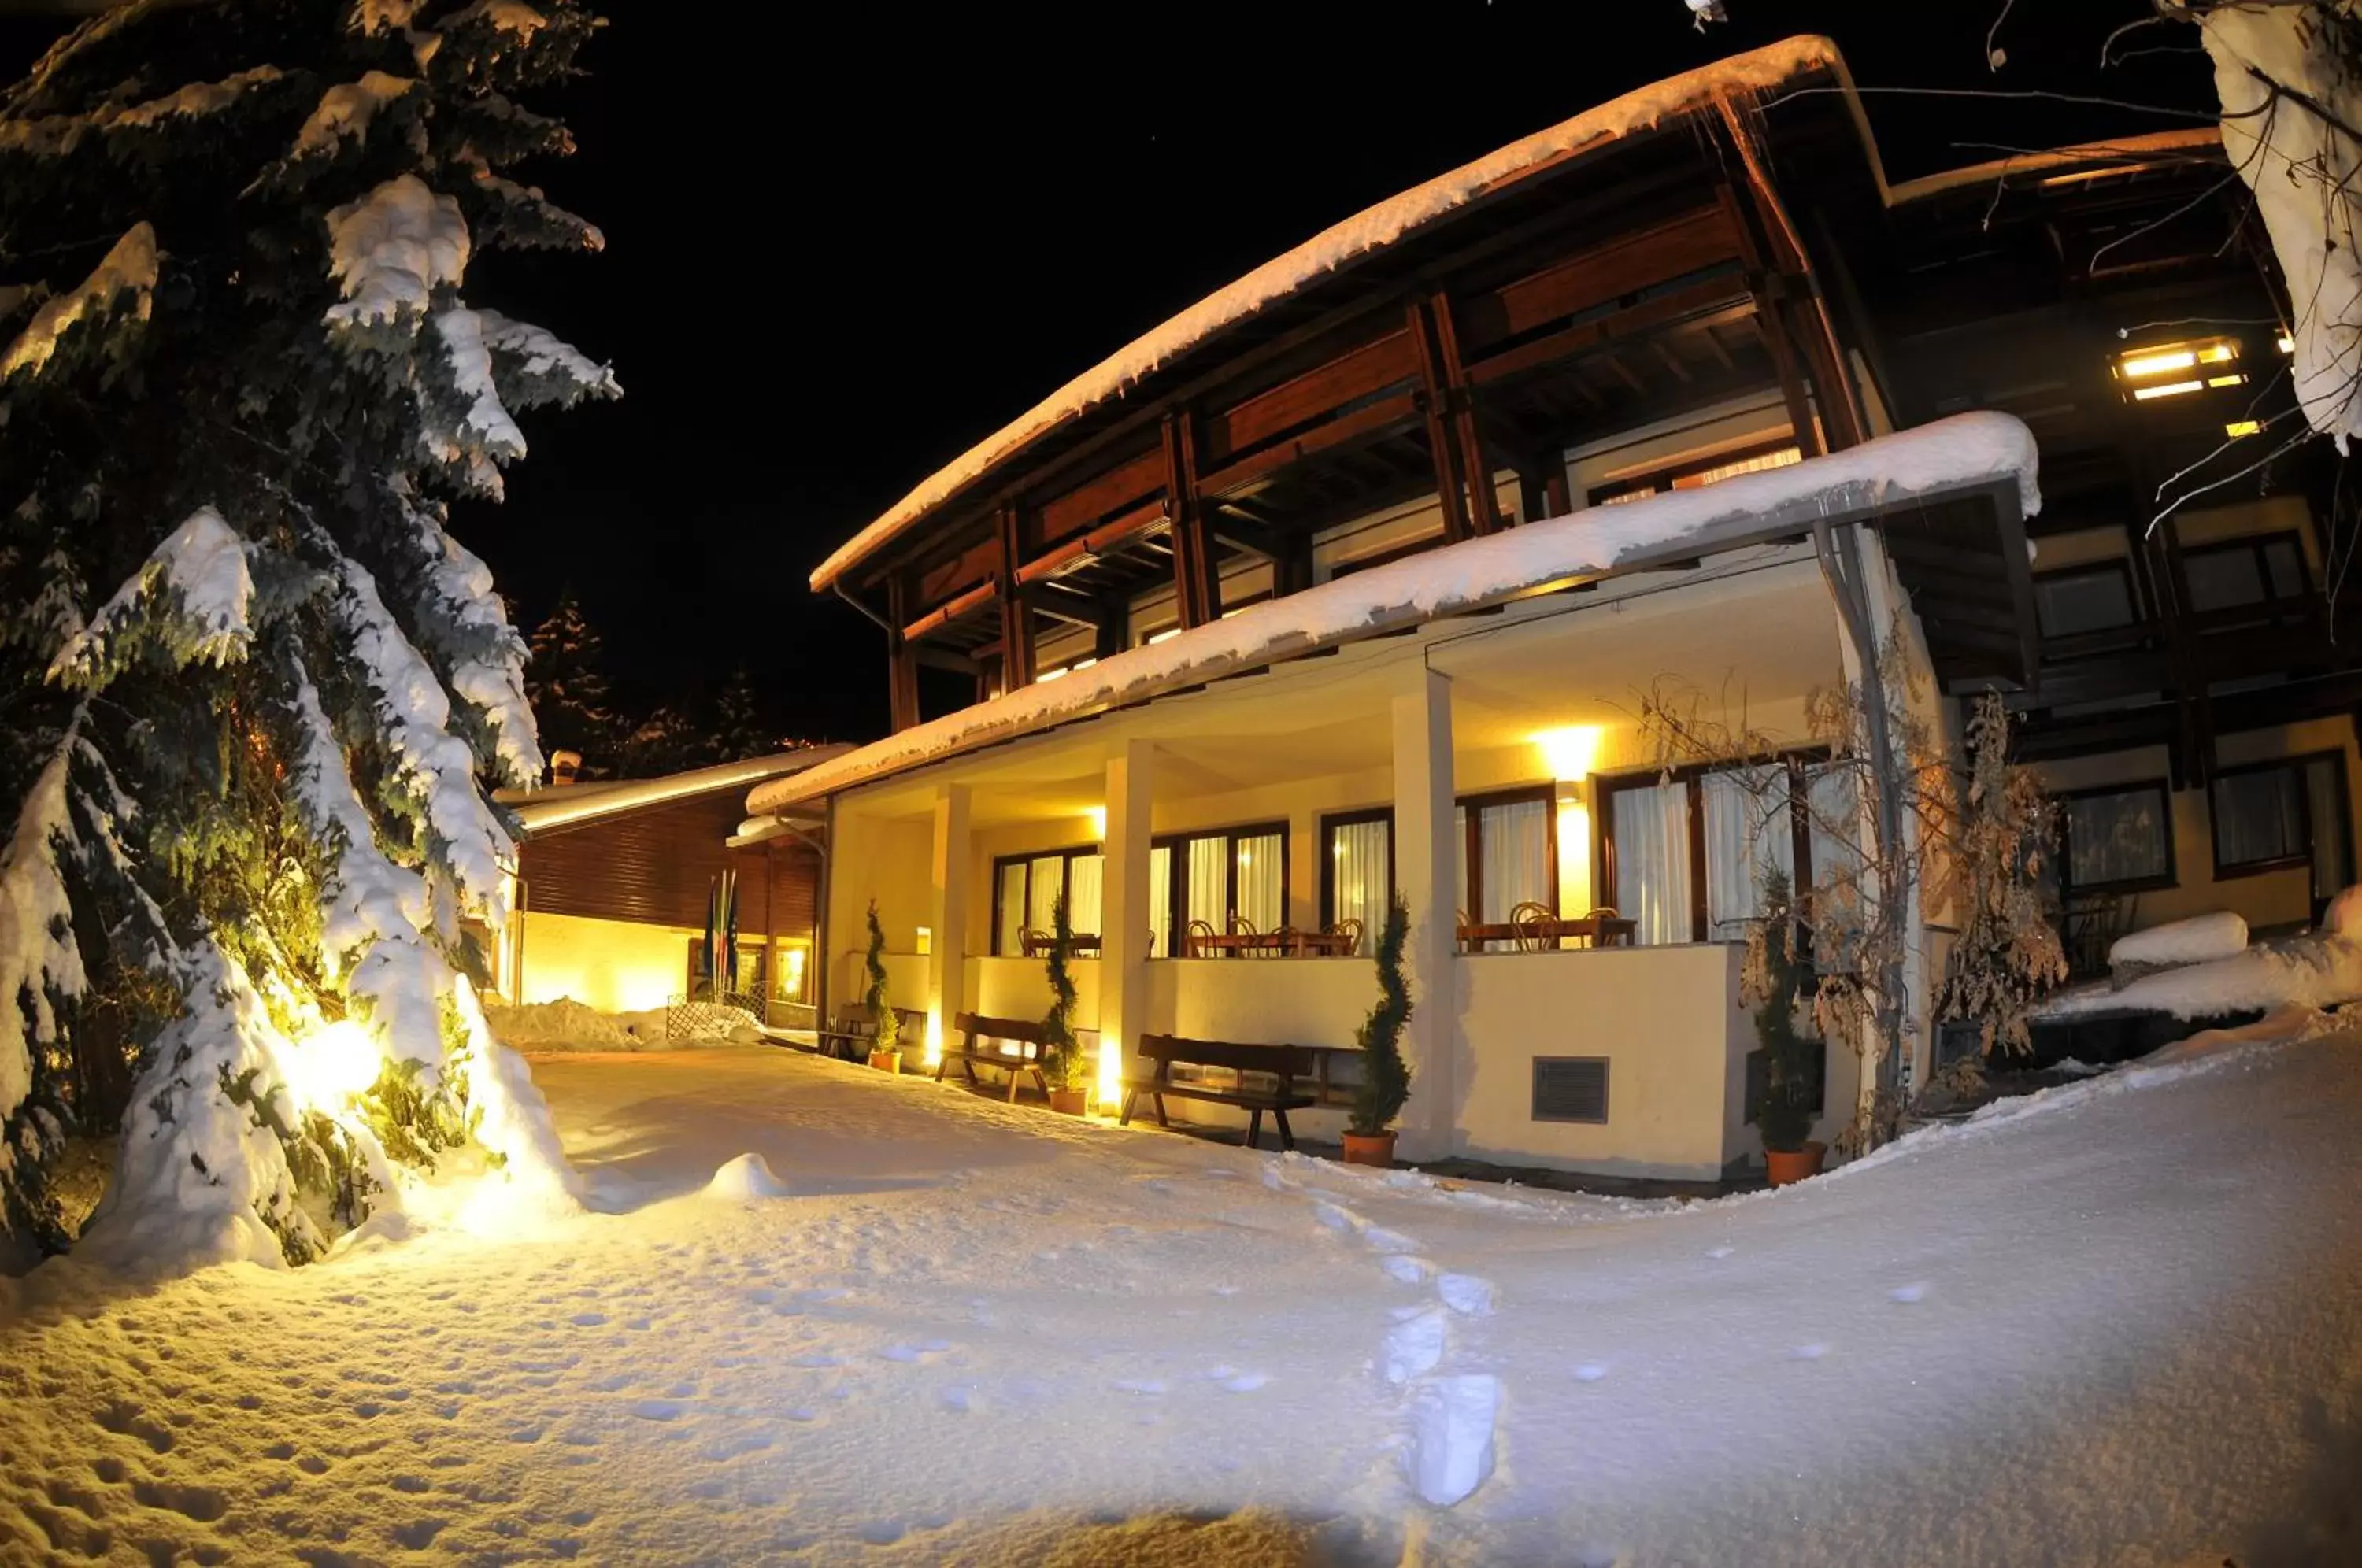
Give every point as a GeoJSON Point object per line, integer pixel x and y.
{"type": "Point", "coordinates": [554, 811]}
{"type": "Point", "coordinates": [1965, 455]}
{"type": "Point", "coordinates": [1124, 375]}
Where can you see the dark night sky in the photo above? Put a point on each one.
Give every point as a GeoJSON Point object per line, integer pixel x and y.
{"type": "Point", "coordinates": [839, 253]}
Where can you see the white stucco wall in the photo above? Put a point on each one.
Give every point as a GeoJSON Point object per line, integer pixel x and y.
{"type": "Point", "coordinates": [1667, 1021]}
{"type": "Point", "coordinates": [615, 966]}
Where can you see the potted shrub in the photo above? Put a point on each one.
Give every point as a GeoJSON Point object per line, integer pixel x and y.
{"type": "Point", "coordinates": [1775, 974]}
{"type": "Point", "coordinates": [1063, 1060]}
{"type": "Point", "coordinates": [1385, 1076]}
{"type": "Point", "coordinates": [885, 1049]}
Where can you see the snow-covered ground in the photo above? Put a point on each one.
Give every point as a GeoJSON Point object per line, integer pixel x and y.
{"type": "Point", "coordinates": [2120, 1322]}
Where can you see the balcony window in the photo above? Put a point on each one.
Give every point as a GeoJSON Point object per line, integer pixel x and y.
{"type": "Point", "coordinates": [1357, 871]}
{"type": "Point", "coordinates": [2085, 599]}
{"type": "Point", "coordinates": [2119, 838]}
{"type": "Point", "coordinates": [1699, 472]}
{"type": "Point", "coordinates": [2280, 814]}
{"type": "Point", "coordinates": [1226, 877]}
{"type": "Point", "coordinates": [1687, 856]}
{"type": "Point", "coordinates": [2262, 570]}
{"type": "Point", "coordinates": [1025, 889]}
{"type": "Point", "coordinates": [1507, 852]}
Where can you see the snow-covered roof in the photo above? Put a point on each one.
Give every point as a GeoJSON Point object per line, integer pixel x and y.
{"type": "Point", "coordinates": [1339, 247]}
{"type": "Point", "coordinates": [546, 811]}
{"type": "Point", "coordinates": [2096, 157]}
{"type": "Point", "coordinates": [1966, 452]}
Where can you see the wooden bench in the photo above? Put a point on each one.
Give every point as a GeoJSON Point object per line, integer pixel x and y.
{"type": "Point", "coordinates": [851, 1035]}
{"type": "Point", "coordinates": [977, 1031]}
{"type": "Point", "coordinates": [1282, 1064]}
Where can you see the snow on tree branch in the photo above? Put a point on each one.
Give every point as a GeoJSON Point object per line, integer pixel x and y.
{"type": "Point", "coordinates": [194, 596]}
{"type": "Point", "coordinates": [535, 367]}
{"type": "Point", "coordinates": [128, 269]}
{"type": "Point", "coordinates": [392, 248]}
{"type": "Point", "coordinates": [433, 767]}
{"type": "Point", "coordinates": [462, 331]}
{"type": "Point", "coordinates": [39, 960]}
{"type": "Point", "coordinates": [484, 655]}
{"type": "Point", "coordinates": [345, 111]}
{"type": "Point", "coordinates": [53, 136]}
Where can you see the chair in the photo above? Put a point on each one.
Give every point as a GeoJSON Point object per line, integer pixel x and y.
{"type": "Point", "coordinates": [1198, 929]}
{"type": "Point", "coordinates": [1241, 926]}
{"type": "Point", "coordinates": [1036, 944]}
{"type": "Point", "coordinates": [1348, 932]}
{"type": "Point", "coordinates": [1598, 938]}
{"type": "Point", "coordinates": [1460, 928]}
{"type": "Point", "coordinates": [1536, 925]}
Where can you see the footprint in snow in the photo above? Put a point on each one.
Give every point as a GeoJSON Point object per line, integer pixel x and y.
{"type": "Point", "coordinates": [1231, 1380]}
{"type": "Point", "coordinates": [1226, 1290]}
{"type": "Point", "coordinates": [1140, 1385]}
{"type": "Point", "coordinates": [1384, 1241]}
{"type": "Point", "coordinates": [1336, 1218]}
{"type": "Point", "coordinates": [801, 1413]}
{"type": "Point", "coordinates": [1404, 1267]}
{"type": "Point", "coordinates": [959, 1401]}
{"type": "Point", "coordinates": [1808, 1353]}
{"type": "Point", "coordinates": [1466, 1295]}
{"type": "Point", "coordinates": [1591, 1372]}
{"type": "Point", "coordinates": [588, 1320]}
{"type": "Point", "coordinates": [1907, 1294]}
{"type": "Point", "coordinates": [657, 1409]}
{"type": "Point", "coordinates": [1718, 1253]}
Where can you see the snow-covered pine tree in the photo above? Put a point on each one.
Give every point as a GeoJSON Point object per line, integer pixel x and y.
{"type": "Point", "coordinates": [738, 731]}
{"type": "Point", "coordinates": [251, 687]}
{"type": "Point", "coordinates": [666, 741]}
{"type": "Point", "coordinates": [565, 682]}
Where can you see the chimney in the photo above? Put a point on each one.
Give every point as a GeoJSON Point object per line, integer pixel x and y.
{"type": "Point", "coordinates": [564, 766]}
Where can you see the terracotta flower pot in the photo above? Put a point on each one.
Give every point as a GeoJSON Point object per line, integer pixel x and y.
{"type": "Point", "coordinates": [1370, 1149]}
{"type": "Point", "coordinates": [1070, 1101]}
{"type": "Point", "coordinates": [887, 1061]}
{"type": "Point", "coordinates": [1788, 1166]}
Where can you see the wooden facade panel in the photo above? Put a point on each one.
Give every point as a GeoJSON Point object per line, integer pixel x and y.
{"type": "Point", "coordinates": [964, 571]}
{"type": "Point", "coordinates": [1316, 394]}
{"type": "Point", "coordinates": [657, 866]}
{"type": "Point", "coordinates": [1095, 498]}
{"type": "Point", "coordinates": [1688, 244]}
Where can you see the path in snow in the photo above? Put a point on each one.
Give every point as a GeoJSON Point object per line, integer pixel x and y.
{"type": "Point", "coordinates": [2123, 1324]}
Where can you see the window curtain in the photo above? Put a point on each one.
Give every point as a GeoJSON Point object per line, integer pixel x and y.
{"type": "Point", "coordinates": [1083, 874]}
{"type": "Point", "coordinates": [1263, 881]}
{"type": "Point", "coordinates": [2258, 817]}
{"type": "Point", "coordinates": [2324, 786]}
{"type": "Point", "coordinates": [1049, 880]}
{"type": "Point", "coordinates": [1652, 861]}
{"type": "Point", "coordinates": [1361, 877]}
{"type": "Point", "coordinates": [1206, 893]}
{"type": "Point", "coordinates": [2116, 838]}
{"type": "Point", "coordinates": [1010, 940]}
{"type": "Point", "coordinates": [1749, 834]}
{"type": "Point", "coordinates": [1515, 841]}
{"type": "Point", "coordinates": [1160, 902]}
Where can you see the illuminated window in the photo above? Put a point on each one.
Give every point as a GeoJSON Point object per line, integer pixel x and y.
{"type": "Point", "coordinates": [2239, 427]}
{"type": "Point", "coordinates": [1698, 473]}
{"type": "Point", "coordinates": [2174, 370]}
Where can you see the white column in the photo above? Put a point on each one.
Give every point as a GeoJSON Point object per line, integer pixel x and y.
{"type": "Point", "coordinates": [1123, 912]}
{"type": "Point", "coordinates": [947, 910]}
{"type": "Point", "coordinates": [1425, 872]}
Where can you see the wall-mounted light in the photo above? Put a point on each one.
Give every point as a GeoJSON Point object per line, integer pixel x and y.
{"type": "Point", "coordinates": [1570, 750]}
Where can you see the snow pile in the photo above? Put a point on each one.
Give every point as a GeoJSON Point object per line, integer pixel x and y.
{"type": "Point", "coordinates": [1946, 455]}
{"type": "Point", "coordinates": [2192, 941]}
{"type": "Point", "coordinates": [510, 1116]}
{"type": "Point", "coordinates": [567, 1024]}
{"type": "Point", "coordinates": [1338, 248]}
{"type": "Point", "coordinates": [129, 268]}
{"type": "Point", "coordinates": [195, 592]}
{"type": "Point", "coordinates": [1889, 1365]}
{"type": "Point", "coordinates": [345, 111]}
{"type": "Point", "coordinates": [746, 1177]}
{"type": "Point", "coordinates": [390, 248]}
{"type": "Point", "coordinates": [2319, 970]}
{"type": "Point", "coordinates": [2299, 152]}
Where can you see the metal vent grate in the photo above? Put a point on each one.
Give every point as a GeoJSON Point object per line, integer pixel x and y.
{"type": "Point", "coordinates": [1570, 1089]}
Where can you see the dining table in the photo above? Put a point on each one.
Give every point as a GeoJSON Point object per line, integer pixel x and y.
{"type": "Point", "coordinates": [1273, 943]}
